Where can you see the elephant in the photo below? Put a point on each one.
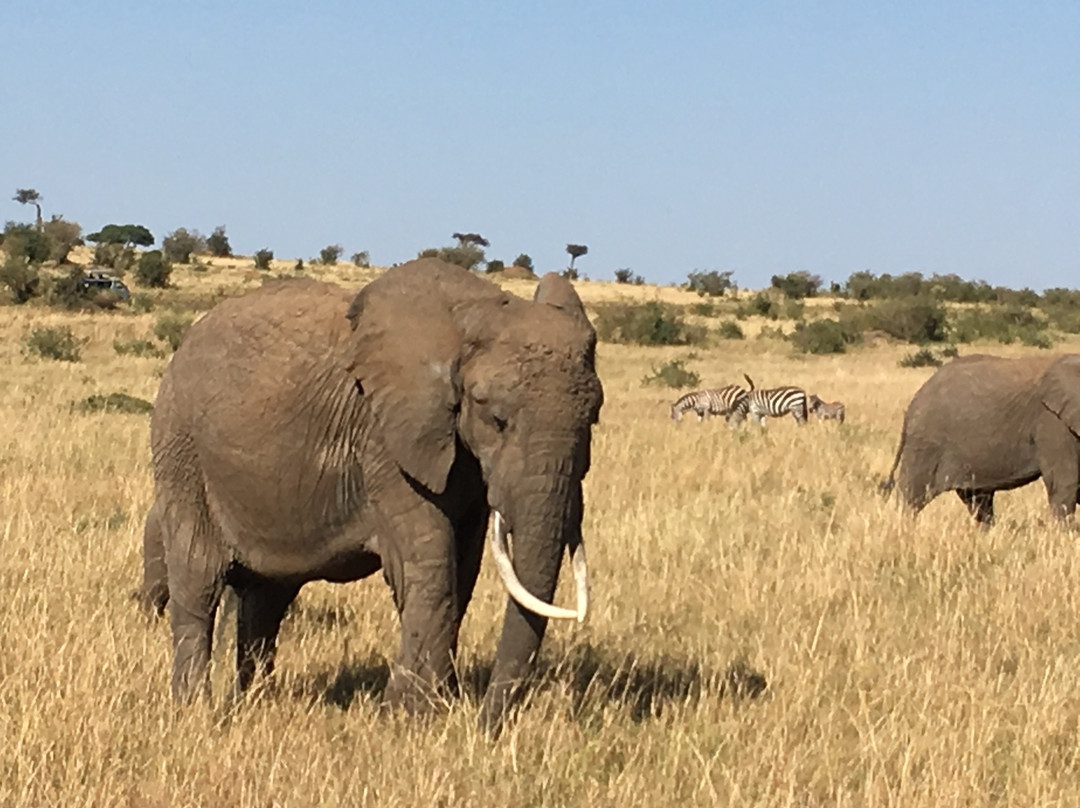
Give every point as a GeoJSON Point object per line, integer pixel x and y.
{"type": "Point", "coordinates": [983, 424]}
{"type": "Point", "coordinates": [300, 434]}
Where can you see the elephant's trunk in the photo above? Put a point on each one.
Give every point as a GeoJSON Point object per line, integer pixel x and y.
{"type": "Point", "coordinates": [541, 528]}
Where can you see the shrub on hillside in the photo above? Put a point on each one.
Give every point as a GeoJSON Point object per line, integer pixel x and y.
{"type": "Point", "coordinates": [822, 337]}
{"type": "Point", "coordinates": [361, 259]}
{"type": "Point", "coordinates": [711, 283]}
{"type": "Point", "coordinates": [916, 320]}
{"type": "Point", "coordinates": [218, 243]}
{"type": "Point", "coordinates": [137, 347]}
{"type": "Point", "coordinates": [27, 241]}
{"type": "Point", "coordinates": [796, 285]}
{"type": "Point", "coordinates": [63, 236]}
{"type": "Point", "coordinates": [116, 257]}
{"type": "Point", "coordinates": [181, 243]}
{"type": "Point", "coordinates": [54, 343]}
{"type": "Point", "coordinates": [68, 292]}
{"type": "Point", "coordinates": [627, 275]}
{"type": "Point", "coordinates": [672, 374]}
{"type": "Point", "coordinates": [115, 403]}
{"type": "Point", "coordinates": [263, 258]}
{"type": "Point", "coordinates": [154, 270]}
{"type": "Point", "coordinates": [729, 329]}
{"type": "Point", "coordinates": [171, 328]}
{"type": "Point", "coordinates": [524, 261]}
{"type": "Point", "coordinates": [329, 255]}
{"type": "Point", "coordinates": [923, 358]}
{"type": "Point", "coordinates": [1006, 324]}
{"type": "Point", "coordinates": [494, 265]}
{"type": "Point", "coordinates": [645, 324]}
{"type": "Point", "coordinates": [20, 277]}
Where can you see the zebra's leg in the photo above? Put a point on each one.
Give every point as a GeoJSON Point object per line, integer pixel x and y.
{"type": "Point", "coordinates": [980, 504]}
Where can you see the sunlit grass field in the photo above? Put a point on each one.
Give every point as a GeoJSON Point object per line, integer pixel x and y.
{"type": "Point", "coordinates": [913, 664]}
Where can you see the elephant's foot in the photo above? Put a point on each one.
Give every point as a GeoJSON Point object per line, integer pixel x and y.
{"type": "Point", "coordinates": [417, 695]}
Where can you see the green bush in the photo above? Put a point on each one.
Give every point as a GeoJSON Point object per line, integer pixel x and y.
{"type": "Point", "coordinates": [116, 257]}
{"type": "Point", "coordinates": [63, 236]}
{"type": "Point", "coordinates": [263, 258]}
{"type": "Point", "coordinates": [923, 358]}
{"type": "Point", "coordinates": [706, 309]}
{"type": "Point", "coordinates": [794, 309]}
{"type": "Point", "coordinates": [137, 347]}
{"type": "Point", "coordinates": [142, 303]}
{"type": "Point", "coordinates": [916, 320]}
{"type": "Point", "coordinates": [20, 277]}
{"type": "Point", "coordinates": [170, 329]}
{"type": "Point", "coordinates": [495, 265]}
{"type": "Point", "coordinates": [55, 343]}
{"type": "Point", "coordinates": [524, 261]}
{"type": "Point", "coordinates": [672, 374]}
{"type": "Point", "coordinates": [181, 243]}
{"type": "Point", "coordinates": [154, 270]}
{"type": "Point", "coordinates": [761, 305]}
{"type": "Point", "coordinates": [821, 337]}
{"type": "Point", "coordinates": [797, 285]}
{"type": "Point", "coordinates": [729, 329]}
{"type": "Point", "coordinates": [1006, 324]}
{"type": "Point", "coordinates": [645, 324]}
{"type": "Point", "coordinates": [68, 292]}
{"type": "Point", "coordinates": [116, 403]}
{"type": "Point", "coordinates": [26, 240]}
{"type": "Point", "coordinates": [627, 275]}
{"type": "Point", "coordinates": [711, 283]}
{"type": "Point", "coordinates": [361, 259]}
{"type": "Point", "coordinates": [218, 243]}
{"type": "Point", "coordinates": [329, 255]}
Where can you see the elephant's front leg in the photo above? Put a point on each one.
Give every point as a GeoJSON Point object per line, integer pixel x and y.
{"type": "Point", "coordinates": [420, 564]}
{"type": "Point", "coordinates": [1059, 463]}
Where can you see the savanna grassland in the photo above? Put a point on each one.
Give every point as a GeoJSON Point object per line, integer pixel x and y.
{"type": "Point", "coordinates": [910, 664]}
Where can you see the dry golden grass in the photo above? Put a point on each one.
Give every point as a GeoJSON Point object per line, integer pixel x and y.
{"type": "Point", "coordinates": [908, 664]}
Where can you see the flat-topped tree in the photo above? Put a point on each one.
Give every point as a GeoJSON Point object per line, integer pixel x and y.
{"type": "Point", "coordinates": [471, 238]}
{"type": "Point", "coordinates": [28, 196]}
{"type": "Point", "coordinates": [576, 251]}
{"type": "Point", "coordinates": [129, 235]}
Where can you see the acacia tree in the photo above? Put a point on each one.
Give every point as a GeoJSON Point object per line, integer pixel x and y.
{"type": "Point", "coordinates": [471, 238]}
{"type": "Point", "coordinates": [576, 251]}
{"type": "Point", "coordinates": [127, 234]}
{"type": "Point", "coordinates": [28, 196]}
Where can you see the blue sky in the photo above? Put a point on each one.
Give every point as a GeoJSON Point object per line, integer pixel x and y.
{"type": "Point", "coordinates": [669, 137]}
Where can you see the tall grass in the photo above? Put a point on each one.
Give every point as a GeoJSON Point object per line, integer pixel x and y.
{"type": "Point", "coordinates": [916, 663]}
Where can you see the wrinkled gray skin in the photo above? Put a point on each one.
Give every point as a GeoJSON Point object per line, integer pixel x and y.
{"type": "Point", "coordinates": [297, 437]}
{"type": "Point", "coordinates": [982, 424]}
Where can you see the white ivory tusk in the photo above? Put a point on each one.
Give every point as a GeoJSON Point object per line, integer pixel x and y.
{"type": "Point", "coordinates": [517, 590]}
{"type": "Point", "coordinates": [581, 579]}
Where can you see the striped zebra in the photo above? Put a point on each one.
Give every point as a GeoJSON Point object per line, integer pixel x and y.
{"type": "Point", "coordinates": [729, 401]}
{"type": "Point", "coordinates": [777, 402]}
{"type": "Point", "coordinates": [825, 410]}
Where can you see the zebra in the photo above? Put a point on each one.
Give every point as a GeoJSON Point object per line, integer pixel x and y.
{"type": "Point", "coordinates": [776, 402]}
{"type": "Point", "coordinates": [729, 401]}
{"type": "Point", "coordinates": [825, 410]}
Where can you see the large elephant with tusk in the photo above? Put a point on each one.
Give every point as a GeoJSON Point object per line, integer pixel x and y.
{"type": "Point", "coordinates": [301, 434]}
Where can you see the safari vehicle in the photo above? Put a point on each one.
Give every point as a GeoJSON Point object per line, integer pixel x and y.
{"type": "Point", "coordinates": [98, 281]}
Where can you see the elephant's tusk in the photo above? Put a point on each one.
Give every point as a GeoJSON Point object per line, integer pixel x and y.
{"type": "Point", "coordinates": [517, 590]}
{"type": "Point", "coordinates": [581, 579]}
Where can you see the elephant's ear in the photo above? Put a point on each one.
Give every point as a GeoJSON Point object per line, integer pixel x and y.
{"type": "Point", "coordinates": [404, 355]}
{"type": "Point", "coordinates": [1059, 388]}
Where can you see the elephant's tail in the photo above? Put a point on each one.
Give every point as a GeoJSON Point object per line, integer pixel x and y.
{"type": "Point", "coordinates": [887, 485]}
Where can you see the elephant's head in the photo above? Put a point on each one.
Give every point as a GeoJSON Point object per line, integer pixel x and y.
{"type": "Point", "coordinates": [449, 360]}
{"type": "Point", "coordinates": [1059, 390]}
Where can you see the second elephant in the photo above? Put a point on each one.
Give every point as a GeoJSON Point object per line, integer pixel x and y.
{"type": "Point", "coordinates": [983, 424]}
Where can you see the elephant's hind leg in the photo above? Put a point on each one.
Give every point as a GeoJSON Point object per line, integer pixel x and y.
{"type": "Point", "coordinates": [154, 593]}
{"type": "Point", "coordinates": [980, 504]}
{"type": "Point", "coordinates": [263, 604]}
{"type": "Point", "coordinates": [196, 567]}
